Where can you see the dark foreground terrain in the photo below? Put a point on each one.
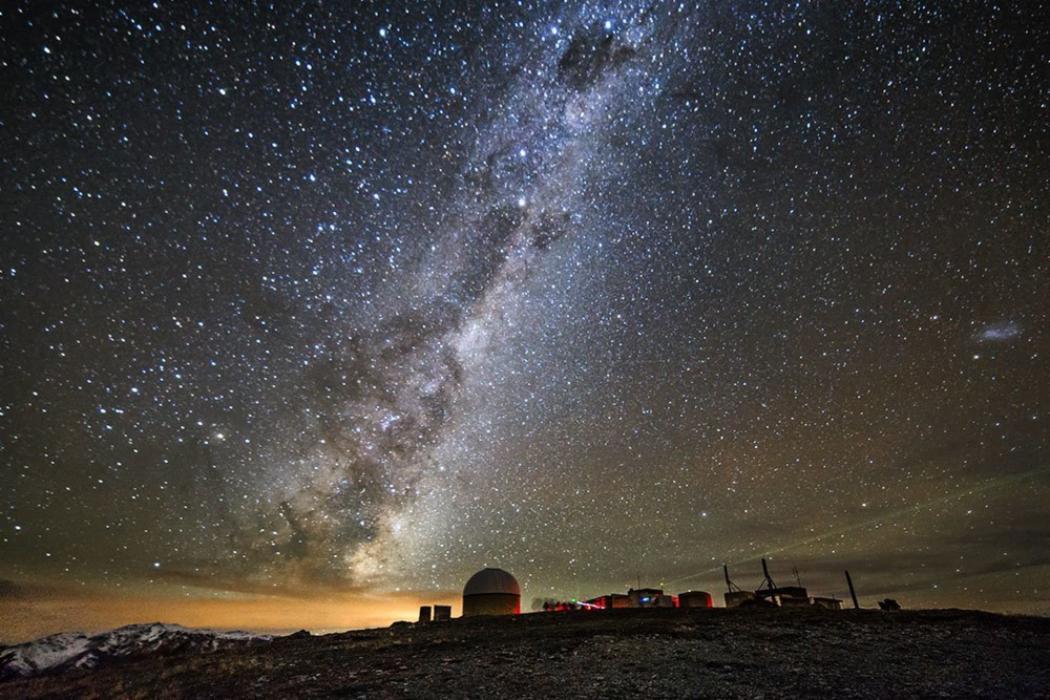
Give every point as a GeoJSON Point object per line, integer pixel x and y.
{"type": "Point", "coordinates": [622, 653]}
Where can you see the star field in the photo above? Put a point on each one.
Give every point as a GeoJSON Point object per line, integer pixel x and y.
{"type": "Point", "coordinates": [309, 298]}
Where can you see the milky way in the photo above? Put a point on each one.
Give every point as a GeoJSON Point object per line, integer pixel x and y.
{"type": "Point", "coordinates": [364, 298]}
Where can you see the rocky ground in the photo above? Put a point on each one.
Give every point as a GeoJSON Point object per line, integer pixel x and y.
{"type": "Point", "coordinates": [616, 654]}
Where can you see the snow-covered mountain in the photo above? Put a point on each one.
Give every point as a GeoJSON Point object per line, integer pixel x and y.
{"type": "Point", "coordinates": [70, 650]}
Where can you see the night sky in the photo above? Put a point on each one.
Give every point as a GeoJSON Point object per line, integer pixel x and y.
{"type": "Point", "coordinates": [311, 310]}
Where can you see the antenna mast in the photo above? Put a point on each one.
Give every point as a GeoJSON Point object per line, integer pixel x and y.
{"type": "Point", "coordinates": [730, 586]}
{"type": "Point", "coordinates": [768, 582]}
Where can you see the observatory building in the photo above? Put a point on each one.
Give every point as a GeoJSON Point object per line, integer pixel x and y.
{"type": "Point", "coordinates": [491, 592]}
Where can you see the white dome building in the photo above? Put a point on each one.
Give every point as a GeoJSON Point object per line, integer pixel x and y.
{"type": "Point", "coordinates": [491, 592]}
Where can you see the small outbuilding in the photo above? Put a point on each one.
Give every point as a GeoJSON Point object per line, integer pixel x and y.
{"type": "Point", "coordinates": [491, 592]}
{"type": "Point", "coordinates": [648, 598]}
{"type": "Point", "coordinates": [695, 599]}
{"type": "Point", "coordinates": [609, 601]}
{"type": "Point", "coordinates": [736, 599]}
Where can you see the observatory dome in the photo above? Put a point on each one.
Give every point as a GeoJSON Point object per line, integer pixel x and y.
{"type": "Point", "coordinates": [491, 592]}
{"type": "Point", "coordinates": [492, 581]}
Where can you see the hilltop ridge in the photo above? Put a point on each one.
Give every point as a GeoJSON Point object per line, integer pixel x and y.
{"type": "Point", "coordinates": [613, 654]}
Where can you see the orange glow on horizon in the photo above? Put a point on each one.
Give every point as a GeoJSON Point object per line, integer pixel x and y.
{"type": "Point", "coordinates": [30, 618]}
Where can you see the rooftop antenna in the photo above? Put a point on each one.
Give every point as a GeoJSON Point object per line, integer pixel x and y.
{"type": "Point", "coordinates": [798, 580]}
{"type": "Point", "coordinates": [768, 582]}
{"type": "Point", "coordinates": [730, 586]}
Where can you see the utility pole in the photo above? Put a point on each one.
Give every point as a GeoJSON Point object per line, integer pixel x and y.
{"type": "Point", "coordinates": [852, 592]}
